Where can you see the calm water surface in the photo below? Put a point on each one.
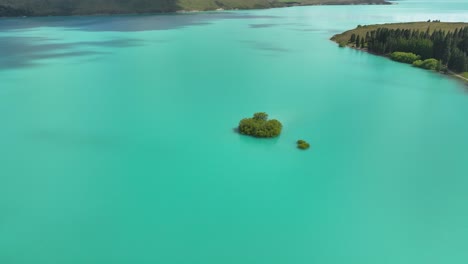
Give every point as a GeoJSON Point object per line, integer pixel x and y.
{"type": "Point", "coordinates": [117, 142]}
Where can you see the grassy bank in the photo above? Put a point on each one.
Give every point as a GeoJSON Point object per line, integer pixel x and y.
{"type": "Point", "coordinates": [89, 7]}
{"type": "Point", "coordinates": [421, 26]}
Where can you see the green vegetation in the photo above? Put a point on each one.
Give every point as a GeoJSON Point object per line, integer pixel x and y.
{"type": "Point", "coordinates": [415, 60]}
{"type": "Point", "coordinates": [260, 126]}
{"type": "Point", "coordinates": [429, 64]}
{"type": "Point", "coordinates": [465, 75]}
{"type": "Point", "coordinates": [302, 144]}
{"type": "Point", "coordinates": [429, 45]}
{"type": "Point", "coordinates": [405, 57]}
{"type": "Point", "coordinates": [85, 7]}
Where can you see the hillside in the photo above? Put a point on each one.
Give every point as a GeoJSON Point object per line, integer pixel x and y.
{"type": "Point", "coordinates": [421, 26]}
{"type": "Point", "coordinates": [89, 7]}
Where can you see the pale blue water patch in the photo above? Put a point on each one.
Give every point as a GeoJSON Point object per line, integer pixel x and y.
{"type": "Point", "coordinates": [118, 141]}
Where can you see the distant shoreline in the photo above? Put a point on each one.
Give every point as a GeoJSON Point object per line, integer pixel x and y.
{"type": "Point", "coordinates": [22, 8]}
{"type": "Point", "coordinates": [449, 74]}
{"type": "Point", "coordinates": [343, 38]}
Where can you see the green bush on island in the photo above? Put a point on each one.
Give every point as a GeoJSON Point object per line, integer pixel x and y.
{"type": "Point", "coordinates": [260, 126]}
{"type": "Point", "coordinates": [429, 64]}
{"type": "Point", "coordinates": [405, 57]}
{"type": "Point", "coordinates": [302, 144]}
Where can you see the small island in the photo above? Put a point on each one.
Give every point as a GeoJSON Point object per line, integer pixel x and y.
{"type": "Point", "coordinates": [431, 45]}
{"type": "Point", "coordinates": [302, 144]}
{"type": "Point", "coordinates": [259, 126]}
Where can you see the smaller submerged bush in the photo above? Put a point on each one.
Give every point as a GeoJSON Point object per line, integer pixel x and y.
{"type": "Point", "coordinates": [302, 144]}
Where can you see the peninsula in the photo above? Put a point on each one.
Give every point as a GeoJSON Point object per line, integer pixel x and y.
{"type": "Point", "coordinates": [16, 8]}
{"type": "Point", "coordinates": [432, 45]}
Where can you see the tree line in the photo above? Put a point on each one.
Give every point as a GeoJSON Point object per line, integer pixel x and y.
{"type": "Point", "coordinates": [448, 47]}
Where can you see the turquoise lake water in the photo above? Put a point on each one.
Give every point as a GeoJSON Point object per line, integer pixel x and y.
{"type": "Point", "coordinates": [117, 141]}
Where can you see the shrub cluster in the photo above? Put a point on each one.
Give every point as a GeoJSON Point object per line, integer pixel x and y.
{"type": "Point", "coordinates": [302, 144]}
{"type": "Point", "coordinates": [405, 57]}
{"type": "Point", "coordinates": [429, 64]}
{"type": "Point", "coordinates": [260, 126]}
